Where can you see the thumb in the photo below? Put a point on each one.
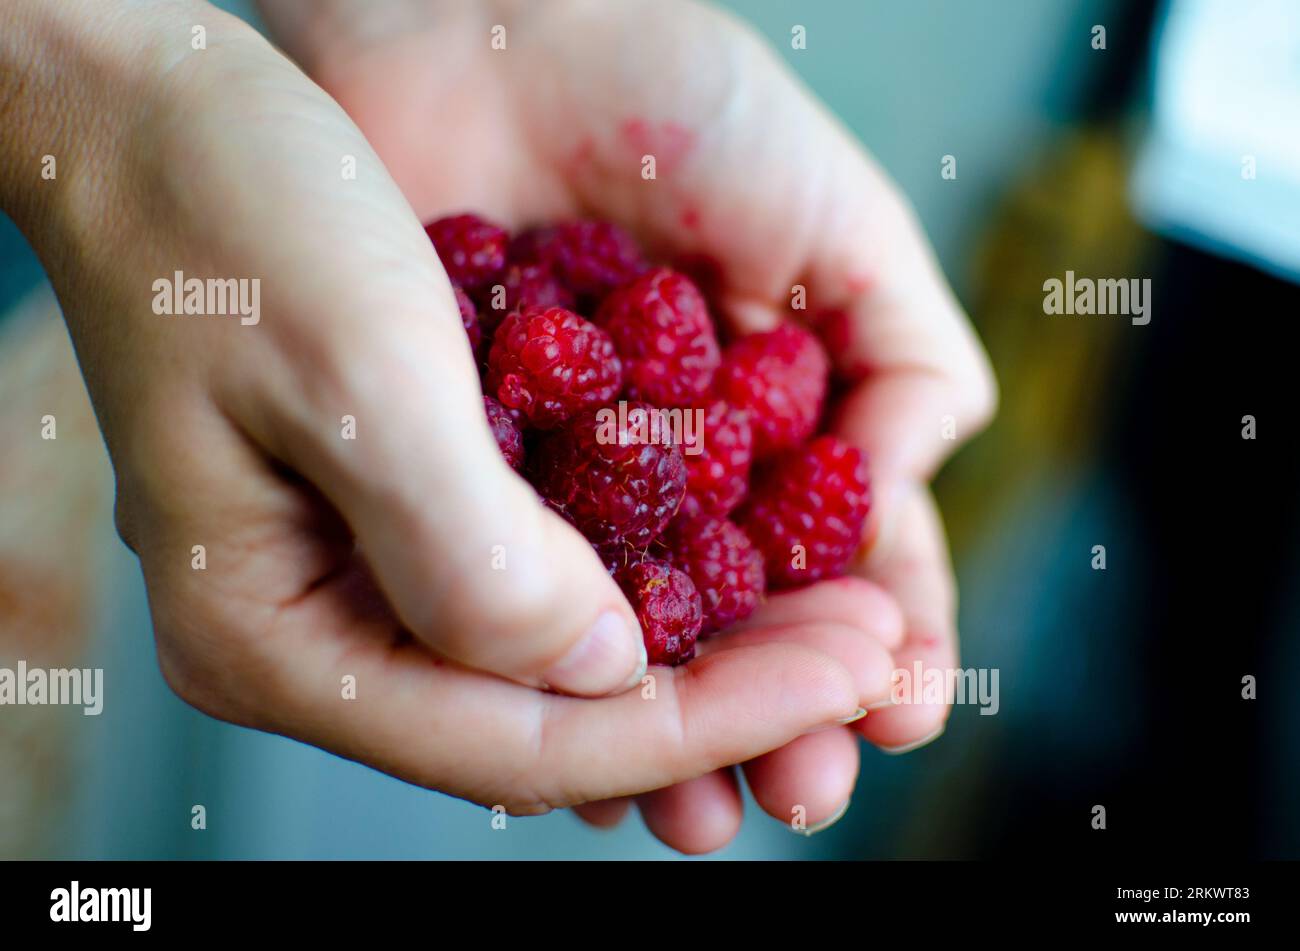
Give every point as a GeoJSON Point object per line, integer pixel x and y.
{"type": "Point", "coordinates": [472, 562]}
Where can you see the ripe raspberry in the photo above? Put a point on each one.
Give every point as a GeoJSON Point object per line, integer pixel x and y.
{"type": "Point", "coordinates": [718, 475]}
{"type": "Point", "coordinates": [613, 485]}
{"type": "Point", "coordinates": [524, 286]}
{"type": "Point", "coordinates": [724, 564]}
{"type": "Point", "coordinates": [661, 329]}
{"type": "Point", "coordinates": [780, 377]}
{"type": "Point", "coordinates": [817, 497]}
{"type": "Point", "coordinates": [551, 365]}
{"type": "Point", "coordinates": [469, 317]}
{"type": "Point", "coordinates": [668, 607]}
{"type": "Point", "coordinates": [472, 251]}
{"type": "Point", "coordinates": [590, 257]}
{"type": "Point", "coordinates": [509, 439]}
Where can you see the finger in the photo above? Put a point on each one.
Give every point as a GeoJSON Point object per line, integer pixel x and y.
{"type": "Point", "coordinates": [492, 741]}
{"type": "Point", "coordinates": [914, 566]}
{"type": "Point", "coordinates": [869, 662]}
{"type": "Point", "coordinates": [830, 617]}
{"type": "Point", "coordinates": [921, 383]}
{"type": "Point", "coordinates": [810, 780]}
{"type": "Point", "coordinates": [603, 813]}
{"type": "Point", "coordinates": [697, 816]}
{"type": "Point", "coordinates": [851, 601]}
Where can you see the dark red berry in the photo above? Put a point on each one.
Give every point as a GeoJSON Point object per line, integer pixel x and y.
{"type": "Point", "coordinates": [521, 287]}
{"type": "Point", "coordinates": [806, 510]}
{"type": "Point", "coordinates": [662, 331]}
{"type": "Point", "coordinates": [780, 379]}
{"type": "Point", "coordinates": [590, 257]}
{"type": "Point", "coordinates": [472, 250]}
{"type": "Point", "coordinates": [724, 564]}
{"type": "Point", "coordinates": [614, 486]}
{"type": "Point", "coordinates": [668, 607]}
{"type": "Point", "coordinates": [509, 439]}
{"type": "Point", "coordinates": [550, 365]}
{"type": "Point", "coordinates": [719, 472]}
{"type": "Point", "coordinates": [469, 318]}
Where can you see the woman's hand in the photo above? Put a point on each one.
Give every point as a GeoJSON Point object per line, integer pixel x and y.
{"type": "Point", "coordinates": [554, 116]}
{"type": "Point", "coordinates": [238, 483]}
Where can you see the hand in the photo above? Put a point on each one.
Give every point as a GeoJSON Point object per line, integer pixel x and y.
{"type": "Point", "coordinates": [751, 171]}
{"type": "Point", "coordinates": [227, 163]}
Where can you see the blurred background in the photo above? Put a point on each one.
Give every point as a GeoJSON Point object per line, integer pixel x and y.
{"type": "Point", "coordinates": [1169, 152]}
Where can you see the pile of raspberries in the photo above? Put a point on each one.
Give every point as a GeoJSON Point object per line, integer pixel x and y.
{"type": "Point", "coordinates": [569, 320]}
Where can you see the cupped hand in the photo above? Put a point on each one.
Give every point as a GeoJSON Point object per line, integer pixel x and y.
{"type": "Point", "coordinates": [314, 495]}
{"type": "Point", "coordinates": [535, 111]}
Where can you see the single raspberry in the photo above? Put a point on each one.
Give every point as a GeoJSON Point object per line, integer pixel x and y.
{"type": "Point", "coordinates": [668, 607]}
{"type": "Point", "coordinates": [601, 473]}
{"type": "Point", "coordinates": [469, 317]}
{"type": "Point", "coordinates": [509, 439]}
{"type": "Point", "coordinates": [724, 564]}
{"type": "Point", "coordinates": [522, 286]}
{"type": "Point", "coordinates": [551, 365]}
{"type": "Point", "coordinates": [806, 509]}
{"type": "Point", "coordinates": [718, 475]}
{"type": "Point", "coordinates": [661, 329]}
{"type": "Point", "coordinates": [780, 377]}
{"type": "Point", "coordinates": [472, 251]}
{"type": "Point", "coordinates": [590, 257]}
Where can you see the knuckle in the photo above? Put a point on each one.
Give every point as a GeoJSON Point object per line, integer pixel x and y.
{"type": "Point", "coordinates": [978, 386]}
{"type": "Point", "coordinates": [182, 675]}
{"type": "Point", "coordinates": [207, 671]}
{"type": "Point", "coordinates": [125, 524]}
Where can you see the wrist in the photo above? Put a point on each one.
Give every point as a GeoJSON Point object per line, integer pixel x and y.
{"type": "Point", "coordinates": [76, 79]}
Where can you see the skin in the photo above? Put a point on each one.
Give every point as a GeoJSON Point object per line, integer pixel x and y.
{"type": "Point", "coordinates": [226, 162]}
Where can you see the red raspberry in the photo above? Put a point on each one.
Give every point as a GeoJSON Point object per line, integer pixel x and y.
{"type": "Point", "coordinates": [523, 286]}
{"type": "Point", "coordinates": [661, 329]}
{"type": "Point", "coordinates": [719, 474]}
{"type": "Point", "coordinates": [469, 317]}
{"type": "Point", "coordinates": [780, 377]}
{"type": "Point", "coordinates": [724, 564]}
{"type": "Point", "coordinates": [617, 488]}
{"type": "Point", "coordinates": [551, 365]}
{"type": "Point", "coordinates": [590, 257]}
{"type": "Point", "coordinates": [668, 607]}
{"type": "Point", "coordinates": [472, 251]}
{"type": "Point", "coordinates": [509, 439]}
{"type": "Point", "coordinates": [817, 497]}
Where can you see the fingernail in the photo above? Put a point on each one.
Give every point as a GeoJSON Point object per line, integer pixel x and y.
{"type": "Point", "coordinates": [880, 705]}
{"type": "Point", "coordinates": [826, 823]}
{"type": "Point", "coordinates": [610, 658]}
{"type": "Point", "coordinates": [840, 721]}
{"type": "Point", "coordinates": [915, 745]}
